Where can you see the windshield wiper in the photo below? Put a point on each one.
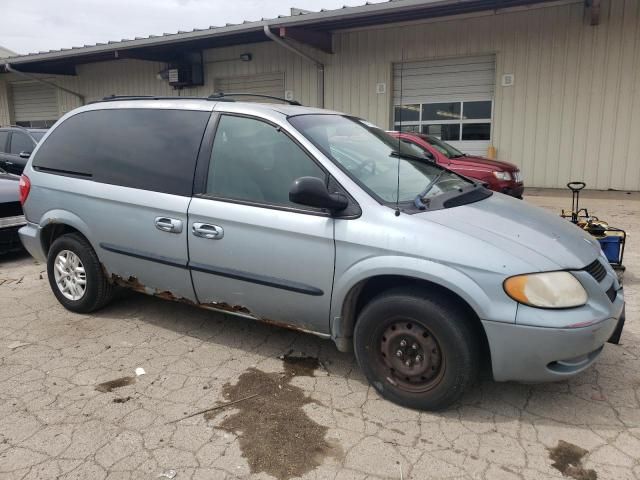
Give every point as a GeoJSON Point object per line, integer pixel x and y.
{"type": "Point", "coordinates": [418, 200]}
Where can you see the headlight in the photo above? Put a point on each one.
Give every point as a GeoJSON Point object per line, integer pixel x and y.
{"type": "Point", "coordinates": [546, 290]}
{"type": "Point", "coordinates": [502, 175]}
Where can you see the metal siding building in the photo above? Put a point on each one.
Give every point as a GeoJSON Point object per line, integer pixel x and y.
{"type": "Point", "coordinates": [570, 112]}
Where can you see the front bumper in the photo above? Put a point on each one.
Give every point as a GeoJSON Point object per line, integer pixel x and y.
{"type": "Point", "coordinates": [513, 190]}
{"type": "Point", "coordinates": [527, 353]}
{"type": "Point", "coordinates": [30, 237]}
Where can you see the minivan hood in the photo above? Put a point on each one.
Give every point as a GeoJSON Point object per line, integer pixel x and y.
{"type": "Point", "coordinates": [482, 162]}
{"type": "Point", "coordinates": [533, 235]}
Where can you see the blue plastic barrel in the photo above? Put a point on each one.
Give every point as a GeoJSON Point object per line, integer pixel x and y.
{"type": "Point", "coordinates": [611, 247]}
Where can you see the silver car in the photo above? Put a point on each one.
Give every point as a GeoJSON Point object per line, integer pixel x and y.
{"type": "Point", "coordinates": [321, 222]}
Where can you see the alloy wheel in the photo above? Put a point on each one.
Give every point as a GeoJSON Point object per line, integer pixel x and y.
{"type": "Point", "coordinates": [70, 275]}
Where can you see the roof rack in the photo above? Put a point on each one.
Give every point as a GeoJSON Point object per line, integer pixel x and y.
{"type": "Point", "coordinates": [110, 98]}
{"type": "Point", "coordinates": [222, 95]}
{"type": "Point", "coordinates": [217, 97]}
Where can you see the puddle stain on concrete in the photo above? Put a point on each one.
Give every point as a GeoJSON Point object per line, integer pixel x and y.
{"type": "Point", "coordinates": [300, 365]}
{"type": "Point", "coordinates": [567, 459]}
{"type": "Point", "coordinates": [113, 384]}
{"type": "Point", "coordinates": [275, 434]}
{"type": "Point", "coordinates": [121, 399]}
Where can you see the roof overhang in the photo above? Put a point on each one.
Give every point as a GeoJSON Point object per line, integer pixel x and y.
{"type": "Point", "coordinates": [312, 28]}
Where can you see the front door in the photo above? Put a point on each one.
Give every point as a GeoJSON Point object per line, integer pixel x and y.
{"type": "Point", "coordinates": [251, 250]}
{"type": "Point", "coordinates": [19, 142]}
{"type": "Point", "coordinates": [4, 149]}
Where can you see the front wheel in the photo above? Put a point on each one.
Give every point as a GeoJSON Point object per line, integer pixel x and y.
{"type": "Point", "coordinates": [76, 276]}
{"type": "Point", "coordinates": [417, 350]}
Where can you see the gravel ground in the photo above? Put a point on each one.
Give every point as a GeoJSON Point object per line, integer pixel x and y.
{"type": "Point", "coordinates": [72, 405]}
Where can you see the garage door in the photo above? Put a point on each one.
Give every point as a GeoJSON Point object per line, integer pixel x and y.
{"type": "Point", "coordinates": [34, 104]}
{"type": "Point", "coordinates": [263, 84]}
{"type": "Point", "coordinates": [450, 98]}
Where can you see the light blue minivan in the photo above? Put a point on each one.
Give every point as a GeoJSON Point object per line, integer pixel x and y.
{"type": "Point", "coordinates": [321, 222]}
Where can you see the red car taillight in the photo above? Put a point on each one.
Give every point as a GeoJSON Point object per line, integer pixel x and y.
{"type": "Point", "coordinates": [25, 187]}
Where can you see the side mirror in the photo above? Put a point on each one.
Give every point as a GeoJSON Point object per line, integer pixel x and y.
{"type": "Point", "coordinates": [312, 192]}
{"type": "Point", "coordinates": [430, 156]}
{"type": "Point", "coordinates": [24, 154]}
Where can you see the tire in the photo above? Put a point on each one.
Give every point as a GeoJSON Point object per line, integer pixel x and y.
{"type": "Point", "coordinates": [98, 291]}
{"type": "Point", "coordinates": [445, 363]}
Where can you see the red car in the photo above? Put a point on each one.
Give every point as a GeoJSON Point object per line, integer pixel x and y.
{"type": "Point", "coordinates": [500, 176]}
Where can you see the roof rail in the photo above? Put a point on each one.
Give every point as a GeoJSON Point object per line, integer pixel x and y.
{"type": "Point", "coordinates": [222, 95]}
{"type": "Point", "coordinates": [110, 98]}
{"type": "Point", "coordinates": [216, 97]}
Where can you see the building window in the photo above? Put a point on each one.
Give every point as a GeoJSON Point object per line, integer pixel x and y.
{"type": "Point", "coordinates": [442, 111]}
{"type": "Point", "coordinates": [444, 131]}
{"type": "Point", "coordinates": [448, 121]}
{"type": "Point", "coordinates": [407, 113]}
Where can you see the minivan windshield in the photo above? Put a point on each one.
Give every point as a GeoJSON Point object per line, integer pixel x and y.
{"type": "Point", "coordinates": [388, 169]}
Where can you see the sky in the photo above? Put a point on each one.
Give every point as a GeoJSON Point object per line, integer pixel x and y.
{"type": "Point", "coordinates": [35, 25]}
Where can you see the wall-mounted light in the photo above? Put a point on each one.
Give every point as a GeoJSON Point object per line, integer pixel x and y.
{"type": "Point", "coordinates": [246, 57]}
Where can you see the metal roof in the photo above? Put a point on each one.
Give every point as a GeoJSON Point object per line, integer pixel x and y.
{"type": "Point", "coordinates": [252, 31]}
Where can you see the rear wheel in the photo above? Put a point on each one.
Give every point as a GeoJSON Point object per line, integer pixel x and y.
{"type": "Point", "coordinates": [75, 274]}
{"type": "Point", "coordinates": [416, 350]}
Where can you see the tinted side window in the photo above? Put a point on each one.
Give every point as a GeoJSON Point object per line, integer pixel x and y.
{"type": "Point", "coordinates": [4, 136]}
{"type": "Point", "coordinates": [148, 149]}
{"type": "Point", "coordinates": [20, 142]}
{"type": "Point", "coordinates": [252, 160]}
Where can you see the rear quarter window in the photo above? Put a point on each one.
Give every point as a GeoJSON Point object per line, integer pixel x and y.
{"type": "Point", "coordinates": [150, 149]}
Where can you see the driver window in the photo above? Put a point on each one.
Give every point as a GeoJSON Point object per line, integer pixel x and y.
{"type": "Point", "coordinates": [254, 161]}
{"type": "Point", "coordinates": [20, 143]}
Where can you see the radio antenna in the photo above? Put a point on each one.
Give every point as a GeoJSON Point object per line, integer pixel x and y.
{"type": "Point", "coordinates": [400, 133]}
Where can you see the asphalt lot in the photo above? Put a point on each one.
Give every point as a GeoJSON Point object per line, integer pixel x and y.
{"type": "Point", "coordinates": [293, 417]}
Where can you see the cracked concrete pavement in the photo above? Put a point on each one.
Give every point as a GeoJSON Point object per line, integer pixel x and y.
{"type": "Point", "coordinates": [55, 424]}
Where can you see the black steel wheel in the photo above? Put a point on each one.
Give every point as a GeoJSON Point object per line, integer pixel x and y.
{"type": "Point", "coordinates": [411, 356]}
{"type": "Point", "coordinates": [415, 350]}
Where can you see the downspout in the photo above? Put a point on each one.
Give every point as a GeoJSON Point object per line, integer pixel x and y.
{"type": "Point", "coordinates": [595, 6]}
{"type": "Point", "coordinates": [319, 65]}
{"type": "Point", "coordinates": [9, 68]}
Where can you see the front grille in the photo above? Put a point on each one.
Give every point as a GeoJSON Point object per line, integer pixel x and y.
{"type": "Point", "coordinates": [612, 293]}
{"type": "Point", "coordinates": [596, 270]}
{"type": "Point", "coordinates": [10, 209]}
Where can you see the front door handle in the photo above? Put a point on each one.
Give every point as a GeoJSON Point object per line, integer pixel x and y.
{"type": "Point", "coordinates": [166, 224]}
{"type": "Point", "coordinates": [210, 232]}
